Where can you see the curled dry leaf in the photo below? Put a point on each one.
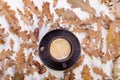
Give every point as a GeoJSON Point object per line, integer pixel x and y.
{"type": "Point", "coordinates": [83, 5]}
{"type": "Point", "coordinates": [99, 71]}
{"type": "Point", "coordinates": [30, 4]}
{"type": "Point", "coordinates": [27, 17]}
{"type": "Point", "coordinates": [46, 11]}
{"type": "Point", "coordinates": [86, 73]}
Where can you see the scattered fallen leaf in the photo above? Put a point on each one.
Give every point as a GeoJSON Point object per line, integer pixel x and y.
{"type": "Point", "coordinates": [55, 2]}
{"type": "Point", "coordinates": [99, 71]}
{"type": "Point", "coordinates": [5, 54]}
{"type": "Point", "coordinates": [24, 35]}
{"type": "Point", "coordinates": [18, 76]}
{"type": "Point", "coordinates": [12, 43]}
{"type": "Point", "coordinates": [70, 76]}
{"type": "Point", "coordinates": [83, 5]}
{"type": "Point", "coordinates": [27, 17]}
{"type": "Point", "coordinates": [107, 57]}
{"type": "Point", "coordinates": [20, 61]}
{"type": "Point", "coordinates": [86, 73]}
{"type": "Point", "coordinates": [46, 11]}
{"type": "Point", "coordinates": [30, 4]}
{"type": "Point", "coordinates": [50, 77]}
{"type": "Point", "coordinates": [111, 35]}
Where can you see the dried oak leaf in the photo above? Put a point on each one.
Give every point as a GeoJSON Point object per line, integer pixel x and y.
{"type": "Point", "coordinates": [2, 7]}
{"type": "Point", "coordinates": [29, 63]}
{"type": "Point", "coordinates": [27, 17]}
{"type": "Point", "coordinates": [12, 43]}
{"type": "Point", "coordinates": [111, 36]}
{"type": "Point", "coordinates": [55, 2]}
{"type": "Point", "coordinates": [41, 21]}
{"type": "Point", "coordinates": [83, 5]}
{"type": "Point", "coordinates": [117, 10]}
{"type": "Point", "coordinates": [86, 73]}
{"type": "Point", "coordinates": [30, 4]}
{"type": "Point", "coordinates": [20, 60]}
{"type": "Point", "coordinates": [70, 76]}
{"type": "Point", "coordinates": [68, 16]}
{"type": "Point", "coordinates": [50, 77]}
{"type": "Point", "coordinates": [12, 20]}
{"type": "Point", "coordinates": [107, 57]}
{"type": "Point", "coordinates": [99, 71]}
{"type": "Point", "coordinates": [24, 35]}
{"type": "Point", "coordinates": [34, 36]}
{"type": "Point", "coordinates": [2, 34]}
{"type": "Point", "coordinates": [46, 11]}
{"type": "Point", "coordinates": [5, 54]}
{"type": "Point", "coordinates": [18, 76]}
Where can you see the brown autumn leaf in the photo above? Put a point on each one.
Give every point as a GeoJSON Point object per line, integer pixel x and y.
{"type": "Point", "coordinates": [24, 35]}
{"type": "Point", "coordinates": [18, 76]}
{"type": "Point", "coordinates": [2, 7]}
{"type": "Point", "coordinates": [46, 11]}
{"type": "Point", "coordinates": [27, 17]}
{"type": "Point", "coordinates": [34, 36]}
{"type": "Point", "coordinates": [50, 77]}
{"type": "Point", "coordinates": [83, 5]}
{"type": "Point", "coordinates": [70, 76]}
{"type": "Point", "coordinates": [99, 71]}
{"type": "Point", "coordinates": [12, 43]}
{"type": "Point", "coordinates": [12, 20]}
{"type": "Point", "coordinates": [111, 35]}
{"type": "Point", "coordinates": [68, 17]}
{"type": "Point", "coordinates": [2, 33]}
{"type": "Point", "coordinates": [55, 2]}
{"type": "Point", "coordinates": [86, 73]}
{"type": "Point", "coordinates": [116, 69]}
{"type": "Point", "coordinates": [41, 21]}
{"type": "Point", "coordinates": [105, 1]}
{"type": "Point", "coordinates": [20, 60]}
{"type": "Point", "coordinates": [5, 54]}
{"type": "Point", "coordinates": [30, 4]}
{"type": "Point", "coordinates": [107, 57]}
{"type": "Point", "coordinates": [117, 10]}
